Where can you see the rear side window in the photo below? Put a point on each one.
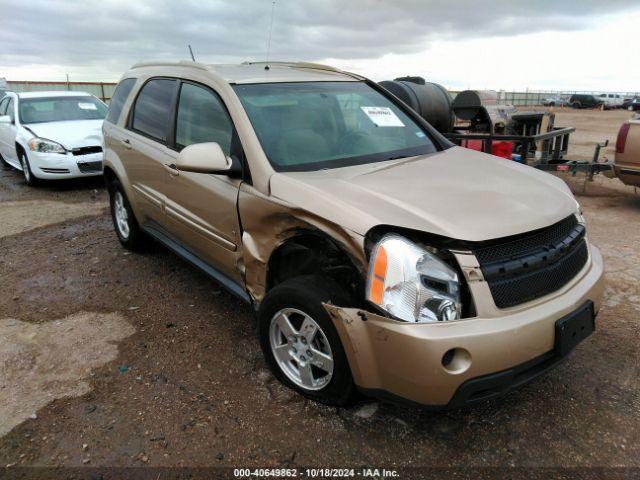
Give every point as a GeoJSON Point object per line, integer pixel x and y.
{"type": "Point", "coordinates": [202, 118]}
{"type": "Point", "coordinates": [3, 106]}
{"type": "Point", "coordinates": [119, 97]}
{"type": "Point", "coordinates": [152, 110]}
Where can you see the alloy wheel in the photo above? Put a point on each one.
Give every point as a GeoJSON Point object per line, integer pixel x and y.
{"type": "Point", "coordinates": [25, 168]}
{"type": "Point", "coordinates": [301, 349]}
{"type": "Point", "coordinates": [121, 215]}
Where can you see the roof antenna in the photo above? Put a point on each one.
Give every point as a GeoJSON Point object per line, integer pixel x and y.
{"type": "Point", "coordinates": [191, 52]}
{"type": "Point", "coordinates": [273, 7]}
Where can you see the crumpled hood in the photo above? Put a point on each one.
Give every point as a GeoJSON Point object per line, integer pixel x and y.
{"type": "Point", "coordinates": [71, 134]}
{"type": "Point", "coordinates": [458, 193]}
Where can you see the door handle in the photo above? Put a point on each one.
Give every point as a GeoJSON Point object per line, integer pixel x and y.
{"type": "Point", "coordinates": [126, 143]}
{"type": "Point", "coordinates": [171, 169]}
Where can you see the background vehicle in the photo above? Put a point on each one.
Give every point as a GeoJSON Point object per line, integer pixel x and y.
{"type": "Point", "coordinates": [631, 104]}
{"type": "Point", "coordinates": [369, 245]}
{"type": "Point", "coordinates": [580, 100]}
{"type": "Point", "coordinates": [52, 135]}
{"type": "Point", "coordinates": [610, 100]}
{"type": "Point", "coordinates": [555, 102]}
{"type": "Point", "coordinates": [627, 159]}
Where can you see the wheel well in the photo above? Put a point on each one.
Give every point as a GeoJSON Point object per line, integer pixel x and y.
{"type": "Point", "coordinates": [314, 253]}
{"type": "Point", "coordinates": [19, 148]}
{"type": "Point", "coordinates": [109, 175]}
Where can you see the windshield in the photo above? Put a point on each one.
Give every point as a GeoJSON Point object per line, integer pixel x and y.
{"type": "Point", "coordinates": [315, 125]}
{"type": "Point", "coordinates": [60, 109]}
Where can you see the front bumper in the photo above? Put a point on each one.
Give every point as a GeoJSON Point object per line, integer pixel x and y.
{"type": "Point", "coordinates": [50, 166]}
{"type": "Point", "coordinates": [398, 359]}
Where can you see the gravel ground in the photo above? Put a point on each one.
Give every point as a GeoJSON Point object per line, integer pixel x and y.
{"type": "Point", "coordinates": [189, 387]}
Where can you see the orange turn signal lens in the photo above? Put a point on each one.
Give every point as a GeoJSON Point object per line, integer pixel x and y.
{"type": "Point", "coordinates": [376, 285]}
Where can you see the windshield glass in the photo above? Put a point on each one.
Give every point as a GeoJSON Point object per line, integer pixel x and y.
{"type": "Point", "coordinates": [60, 109]}
{"type": "Point", "coordinates": [315, 125]}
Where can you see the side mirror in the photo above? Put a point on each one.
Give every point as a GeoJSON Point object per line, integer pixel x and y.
{"type": "Point", "coordinates": [5, 120]}
{"type": "Point", "coordinates": [204, 158]}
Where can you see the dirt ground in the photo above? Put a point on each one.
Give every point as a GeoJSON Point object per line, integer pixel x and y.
{"type": "Point", "coordinates": [187, 385]}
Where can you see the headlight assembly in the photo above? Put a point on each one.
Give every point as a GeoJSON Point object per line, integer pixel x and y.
{"type": "Point", "coordinates": [411, 283]}
{"type": "Point", "coordinates": [43, 145]}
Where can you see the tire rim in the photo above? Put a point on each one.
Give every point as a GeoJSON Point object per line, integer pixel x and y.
{"type": "Point", "coordinates": [122, 217]}
{"type": "Point", "coordinates": [25, 168]}
{"type": "Point", "coordinates": [301, 349]}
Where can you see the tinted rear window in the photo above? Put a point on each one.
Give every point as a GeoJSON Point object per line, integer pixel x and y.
{"type": "Point", "coordinates": [119, 97]}
{"type": "Point", "coordinates": [152, 110]}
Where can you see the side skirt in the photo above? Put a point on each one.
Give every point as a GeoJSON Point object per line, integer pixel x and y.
{"type": "Point", "coordinates": [158, 233]}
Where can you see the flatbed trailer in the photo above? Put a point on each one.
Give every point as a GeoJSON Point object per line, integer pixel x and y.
{"type": "Point", "coordinates": [551, 158]}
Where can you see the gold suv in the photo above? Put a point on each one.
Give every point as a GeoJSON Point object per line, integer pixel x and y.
{"type": "Point", "coordinates": [379, 257]}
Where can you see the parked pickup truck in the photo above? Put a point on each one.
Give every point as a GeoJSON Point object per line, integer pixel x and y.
{"type": "Point", "coordinates": [627, 160]}
{"type": "Point", "coordinates": [378, 256]}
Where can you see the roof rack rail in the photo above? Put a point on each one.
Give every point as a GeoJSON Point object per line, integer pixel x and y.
{"type": "Point", "coordinates": [310, 65]}
{"type": "Point", "coordinates": [316, 66]}
{"type": "Point", "coordinates": [180, 63]}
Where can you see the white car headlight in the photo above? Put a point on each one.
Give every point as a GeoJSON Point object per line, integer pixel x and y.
{"type": "Point", "coordinates": [411, 283]}
{"type": "Point", "coordinates": [43, 145]}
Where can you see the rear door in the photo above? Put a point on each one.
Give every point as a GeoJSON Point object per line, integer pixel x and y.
{"type": "Point", "coordinates": [143, 146]}
{"type": "Point", "coordinates": [201, 208]}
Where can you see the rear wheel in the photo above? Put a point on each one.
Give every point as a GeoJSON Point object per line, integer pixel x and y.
{"type": "Point", "coordinates": [576, 105]}
{"type": "Point", "coordinates": [300, 342]}
{"type": "Point", "coordinates": [124, 221]}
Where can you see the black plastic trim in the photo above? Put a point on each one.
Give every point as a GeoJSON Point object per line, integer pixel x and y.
{"type": "Point", "coordinates": [160, 235]}
{"type": "Point", "coordinates": [545, 256]}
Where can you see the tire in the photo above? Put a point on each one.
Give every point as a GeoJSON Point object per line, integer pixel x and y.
{"type": "Point", "coordinates": [576, 105]}
{"type": "Point", "coordinates": [29, 178]}
{"type": "Point", "coordinates": [301, 299]}
{"type": "Point", "coordinates": [124, 221]}
{"type": "Point", "coordinates": [552, 104]}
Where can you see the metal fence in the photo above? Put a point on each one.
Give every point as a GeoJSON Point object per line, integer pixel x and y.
{"type": "Point", "coordinates": [102, 90]}
{"type": "Point", "coordinates": [537, 97]}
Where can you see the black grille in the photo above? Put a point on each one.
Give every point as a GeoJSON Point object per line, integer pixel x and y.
{"type": "Point", "coordinates": [530, 242]}
{"type": "Point", "coordinates": [530, 266]}
{"type": "Point", "coordinates": [86, 150]}
{"type": "Point", "coordinates": [88, 167]}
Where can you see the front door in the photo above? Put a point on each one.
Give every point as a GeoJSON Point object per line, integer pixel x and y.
{"type": "Point", "coordinates": [8, 131]}
{"type": "Point", "coordinates": [201, 209]}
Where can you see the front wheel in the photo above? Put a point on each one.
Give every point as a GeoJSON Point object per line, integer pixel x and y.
{"type": "Point", "coordinates": [29, 178]}
{"type": "Point", "coordinates": [300, 343]}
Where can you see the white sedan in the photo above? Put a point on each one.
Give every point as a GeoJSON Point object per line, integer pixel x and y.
{"type": "Point", "coordinates": [52, 135]}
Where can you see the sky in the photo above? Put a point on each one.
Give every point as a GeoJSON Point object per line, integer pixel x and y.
{"type": "Point", "coordinates": [498, 44]}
